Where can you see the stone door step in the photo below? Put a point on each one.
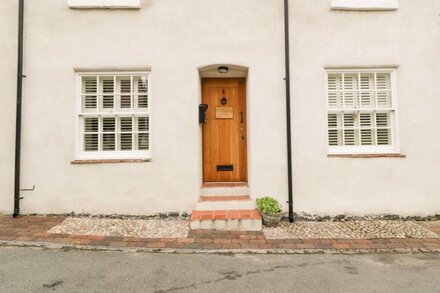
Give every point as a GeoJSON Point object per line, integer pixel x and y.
{"type": "Point", "coordinates": [224, 184]}
{"type": "Point", "coordinates": [224, 191]}
{"type": "Point", "coordinates": [225, 206]}
{"type": "Point", "coordinates": [227, 202]}
{"type": "Point", "coordinates": [247, 204]}
{"type": "Point", "coordinates": [227, 220]}
{"type": "Point", "coordinates": [224, 198]}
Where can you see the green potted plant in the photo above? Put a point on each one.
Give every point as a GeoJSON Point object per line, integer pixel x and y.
{"type": "Point", "coordinates": [270, 210]}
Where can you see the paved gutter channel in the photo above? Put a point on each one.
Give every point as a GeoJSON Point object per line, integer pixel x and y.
{"type": "Point", "coordinates": [59, 246]}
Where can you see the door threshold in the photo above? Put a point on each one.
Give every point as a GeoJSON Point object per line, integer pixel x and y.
{"type": "Point", "coordinates": [224, 184]}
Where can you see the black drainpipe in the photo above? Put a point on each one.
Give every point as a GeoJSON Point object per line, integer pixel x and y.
{"type": "Point", "coordinates": [18, 115]}
{"type": "Point", "coordinates": [289, 135]}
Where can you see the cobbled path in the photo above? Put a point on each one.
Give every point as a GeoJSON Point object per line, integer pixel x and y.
{"type": "Point", "coordinates": [179, 228]}
{"type": "Point", "coordinates": [170, 234]}
{"type": "Point", "coordinates": [151, 228]}
{"type": "Point", "coordinates": [374, 229]}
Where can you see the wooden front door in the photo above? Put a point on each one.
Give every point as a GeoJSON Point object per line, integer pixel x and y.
{"type": "Point", "coordinates": [224, 132]}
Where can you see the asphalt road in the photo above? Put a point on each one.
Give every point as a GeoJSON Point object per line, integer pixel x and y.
{"type": "Point", "coordinates": [37, 270]}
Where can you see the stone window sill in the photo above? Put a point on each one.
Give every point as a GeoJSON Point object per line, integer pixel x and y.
{"type": "Point", "coordinates": [383, 5]}
{"type": "Point", "coordinates": [109, 161]}
{"type": "Point", "coordinates": [366, 156]}
{"type": "Point", "coordinates": [104, 4]}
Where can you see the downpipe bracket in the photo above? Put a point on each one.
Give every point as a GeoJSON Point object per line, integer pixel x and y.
{"type": "Point", "coordinates": [17, 211]}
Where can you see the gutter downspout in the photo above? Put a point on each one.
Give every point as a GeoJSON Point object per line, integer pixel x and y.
{"type": "Point", "coordinates": [288, 120]}
{"type": "Point", "coordinates": [18, 114]}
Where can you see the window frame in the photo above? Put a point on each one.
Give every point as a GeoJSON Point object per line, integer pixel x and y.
{"type": "Point", "coordinates": [104, 4]}
{"type": "Point", "coordinates": [394, 148]}
{"type": "Point", "coordinates": [80, 153]}
{"type": "Point", "coordinates": [366, 5]}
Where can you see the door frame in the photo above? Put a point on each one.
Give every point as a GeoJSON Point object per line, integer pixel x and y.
{"type": "Point", "coordinates": [244, 145]}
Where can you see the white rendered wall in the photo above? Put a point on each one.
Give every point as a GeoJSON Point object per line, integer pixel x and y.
{"type": "Point", "coordinates": [8, 73]}
{"type": "Point", "coordinates": [174, 38]}
{"type": "Point", "coordinates": [408, 38]}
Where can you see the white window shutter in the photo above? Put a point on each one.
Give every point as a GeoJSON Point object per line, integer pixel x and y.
{"type": "Point", "coordinates": [361, 111]}
{"type": "Point", "coordinates": [142, 91]}
{"type": "Point", "coordinates": [126, 93]}
{"type": "Point", "coordinates": [91, 129]}
{"type": "Point", "coordinates": [90, 93]}
{"type": "Point", "coordinates": [108, 93]}
{"type": "Point", "coordinates": [109, 134]}
{"type": "Point", "coordinates": [115, 115]}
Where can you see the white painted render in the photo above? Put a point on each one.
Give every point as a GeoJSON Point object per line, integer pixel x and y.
{"type": "Point", "coordinates": [365, 4]}
{"type": "Point", "coordinates": [174, 39]}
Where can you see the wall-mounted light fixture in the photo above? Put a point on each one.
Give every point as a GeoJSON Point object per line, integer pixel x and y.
{"type": "Point", "coordinates": [223, 69]}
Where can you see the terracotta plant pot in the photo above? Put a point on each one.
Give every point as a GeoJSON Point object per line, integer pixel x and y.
{"type": "Point", "coordinates": [271, 220]}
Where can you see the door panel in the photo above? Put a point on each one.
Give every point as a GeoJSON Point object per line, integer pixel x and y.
{"type": "Point", "coordinates": [224, 133]}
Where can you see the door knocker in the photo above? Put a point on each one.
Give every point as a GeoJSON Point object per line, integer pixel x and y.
{"type": "Point", "coordinates": [223, 100]}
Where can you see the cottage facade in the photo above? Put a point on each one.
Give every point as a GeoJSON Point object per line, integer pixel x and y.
{"type": "Point", "coordinates": [111, 104]}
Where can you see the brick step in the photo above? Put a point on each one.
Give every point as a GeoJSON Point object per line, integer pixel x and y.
{"type": "Point", "coordinates": [225, 214]}
{"type": "Point", "coordinates": [226, 220]}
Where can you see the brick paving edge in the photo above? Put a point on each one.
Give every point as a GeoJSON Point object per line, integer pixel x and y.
{"type": "Point", "coordinates": [351, 251]}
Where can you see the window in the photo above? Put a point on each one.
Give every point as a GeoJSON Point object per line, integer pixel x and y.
{"type": "Point", "coordinates": [361, 111]}
{"type": "Point", "coordinates": [364, 4]}
{"type": "Point", "coordinates": [114, 4]}
{"type": "Point", "coordinates": [114, 116]}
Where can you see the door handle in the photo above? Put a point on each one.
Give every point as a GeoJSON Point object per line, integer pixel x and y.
{"type": "Point", "coordinates": [241, 116]}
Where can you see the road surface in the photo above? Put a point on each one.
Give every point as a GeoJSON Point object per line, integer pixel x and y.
{"type": "Point", "coordinates": [38, 270]}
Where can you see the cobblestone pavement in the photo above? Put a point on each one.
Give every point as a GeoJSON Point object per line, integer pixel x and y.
{"type": "Point", "coordinates": [151, 228]}
{"type": "Point", "coordinates": [433, 226]}
{"type": "Point", "coordinates": [37, 231]}
{"type": "Point", "coordinates": [374, 229]}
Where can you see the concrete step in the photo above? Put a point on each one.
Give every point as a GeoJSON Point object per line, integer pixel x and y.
{"type": "Point", "coordinates": [226, 205]}
{"type": "Point", "coordinates": [217, 203]}
{"type": "Point", "coordinates": [224, 191]}
{"type": "Point", "coordinates": [224, 184]}
{"type": "Point", "coordinates": [226, 220]}
{"type": "Point", "coordinates": [225, 198]}
{"type": "Point", "coordinates": [224, 188]}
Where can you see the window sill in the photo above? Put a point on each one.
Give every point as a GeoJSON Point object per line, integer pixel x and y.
{"type": "Point", "coordinates": [109, 161]}
{"type": "Point", "coordinates": [378, 5]}
{"type": "Point", "coordinates": [104, 4]}
{"type": "Point", "coordinates": [366, 156]}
